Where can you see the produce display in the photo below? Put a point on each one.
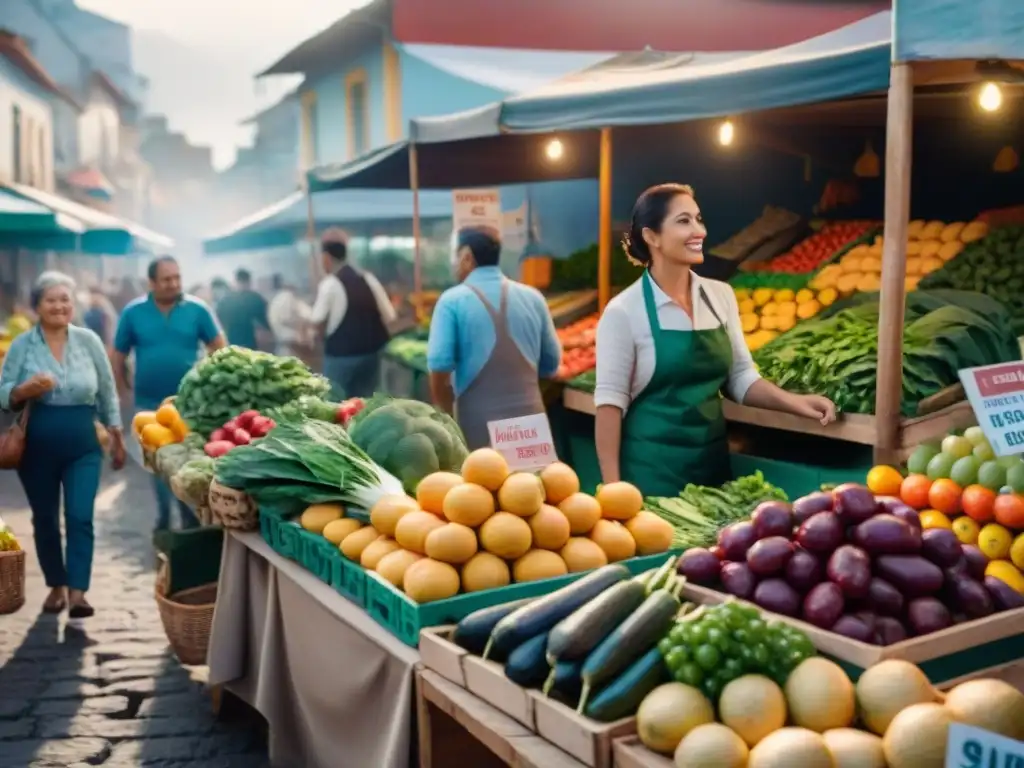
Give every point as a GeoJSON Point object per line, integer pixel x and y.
{"type": "Point", "coordinates": [234, 379]}
{"type": "Point", "coordinates": [579, 271]}
{"type": "Point", "coordinates": [16, 325]}
{"type": "Point", "coordinates": [993, 265]}
{"type": "Point", "coordinates": [409, 350]}
{"type": "Point", "coordinates": [836, 354]}
{"type": "Point", "coordinates": [578, 352]}
{"type": "Point", "coordinates": [767, 312]}
{"type": "Point", "coordinates": [309, 407]}
{"type": "Point", "coordinates": [853, 563]}
{"type": "Point", "coordinates": [810, 254]}
{"type": "Point", "coordinates": [164, 426]}
{"type": "Point", "coordinates": [239, 430]}
{"type": "Point", "coordinates": [774, 222]}
{"type": "Point", "coordinates": [488, 527]}
{"type": "Point", "coordinates": [699, 512]}
{"type": "Point", "coordinates": [8, 541]}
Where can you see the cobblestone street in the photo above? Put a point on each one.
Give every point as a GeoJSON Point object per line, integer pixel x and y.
{"type": "Point", "coordinates": [107, 690]}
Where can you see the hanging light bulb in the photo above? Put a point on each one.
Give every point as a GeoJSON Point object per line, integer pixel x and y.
{"type": "Point", "coordinates": [554, 150]}
{"type": "Point", "coordinates": [726, 133]}
{"type": "Point", "coordinates": [990, 97]}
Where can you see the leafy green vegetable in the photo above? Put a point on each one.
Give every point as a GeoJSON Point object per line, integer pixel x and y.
{"type": "Point", "coordinates": [410, 351]}
{"type": "Point", "coordinates": [579, 270]}
{"type": "Point", "coordinates": [305, 407]}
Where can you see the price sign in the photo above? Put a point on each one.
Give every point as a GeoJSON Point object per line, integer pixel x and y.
{"type": "Point", "coordinates": [996, 394]}
{"type": "Point", "coordinates": [970, 747]}
{"type": "Point", "coordinates": [525, 442]}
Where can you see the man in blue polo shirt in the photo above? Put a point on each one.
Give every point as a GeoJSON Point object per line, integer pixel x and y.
{"type": "Point", "coordinates": [491, 340]}
{"type": "Point", "coordinates": [165, 330]}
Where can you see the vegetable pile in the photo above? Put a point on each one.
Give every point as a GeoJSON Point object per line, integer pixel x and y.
{"type": "Point", "coordinates": [837, 355]}
{"type": "Point", "coordinates": [578, 353]}
{"type": "Point", "coordinates": [579, 270]}
{"type": "Point", "coordinates": [234, 379]}
{"type": "Point", "coordinates": [852, 563]}
{"type": "Point", "coordinates": [240, 430]}
{"type": "Point", "coordinates": [765, 313]}
{"type": "Point", "coordinates": [700, 512]}
{"type": "Point", "coordinates": [811, 253]}
{"type": "Point", "coordinates": [409, 350]}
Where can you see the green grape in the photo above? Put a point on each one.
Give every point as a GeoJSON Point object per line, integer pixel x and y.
{"type": "Point", "coordinates": [717, 636]}
{"type": "Point", "coordinates": [678, 634]}
{"type": "Point", "coordinates": [712, 688]}
{"type": "Point", "coordinates": [761, 656]}
{"type": "Point", "coordinates": [676, 658]}
{"type": "Point", "coordinates": [665, 646]}
{"type": "Point", "coordinates": [707, 656]}
{"type": "Point", "coordinates": [690, 674]}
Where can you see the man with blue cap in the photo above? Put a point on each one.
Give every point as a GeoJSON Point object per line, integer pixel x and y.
{"type": "Point", "coordinates": [491, 340]}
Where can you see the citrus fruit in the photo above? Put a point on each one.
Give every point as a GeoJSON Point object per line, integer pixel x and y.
{"type": "Point", "coordinates": [1017, 551]}
{"type": "Point", "coordinates": [1015, 477]}
{"type": "Point", "coordinates": [1006, 573]}
{"type": "Point", "coordinates": [944, 495]}
{"type": "Point", "coordinates": [1008, 509]}
{"type": "Point", "coordinates": [957, 446]}
{"type": "Point", "coordinates": [994, 541]}
{"type": "Point", "coordinates": [975, 434]}
{"type": "Point", "coordinates": [964, 471]}
{"type": "Point", "coordinates": [984, 452]}
{"type": "Point", "coordinates": [966, 530]}
{"type": "Point", "coordinates": [941, 465]}
{"type": "Point", "coordinates": [977, 503]}
{"type": "Point", "coordinates": [884, 481]}
{"type": "Point", "coordinates": [992, 475]}
{"type": "Point", "coordinates": [917, 464]}
{"type": "Point", "coordinates": [932, 518]}
{"type": "Point", "coordinates": [914, 490]}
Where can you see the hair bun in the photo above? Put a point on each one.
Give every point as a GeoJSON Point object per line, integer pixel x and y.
{"type": "Point", "coordinates": [630, 250]}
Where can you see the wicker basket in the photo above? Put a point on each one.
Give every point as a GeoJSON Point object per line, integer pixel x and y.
{"type": "Point", "coordinates": [187, 617]}
{"type": "Point", "coordinates": [12, 581]}
{"type": "Point", "coordinates": [233, 509]}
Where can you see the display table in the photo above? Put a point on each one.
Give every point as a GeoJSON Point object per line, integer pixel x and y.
{"type": "Point", "coordinates": [335, 688]}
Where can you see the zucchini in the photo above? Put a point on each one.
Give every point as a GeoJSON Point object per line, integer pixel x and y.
{"type": "Point", "coordinates": [544, 613]}
{"type": "Point", "coordinates": [564, 682]}
{"type": "Point", "coordinates": [473, 631]}
{"type": "Point", "coordinates": [622, 696]}
{"type": "Point", "coordinates": [578, 634]}
{"type": "Point", "coordinates": [630, 640]}
{"type": "Point", "coordinates": [527, 665]}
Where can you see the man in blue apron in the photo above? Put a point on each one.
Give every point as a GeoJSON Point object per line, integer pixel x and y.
{"type": "Point", "coordinates": [491, 340]}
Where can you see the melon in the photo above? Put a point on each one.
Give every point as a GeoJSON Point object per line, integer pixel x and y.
{"type": "Point", "coordinates": [375, 550]}
{"type": "Point", "coordinates": [550, 528]}
{"type": "Point", "coordinates": [711, 746]}
{"type": "Point", "coordinates": [887, 688]}
{"type": "Point", "coordinates": [581, 554]}
{"type": "Point", "coordinates": [668, 713]}
{"type": "Point", "coordinates": [428, 580]}
{"type": "Point", "coordinates": [468, 504]}
{"type": "Point", "coordinates": [486, 467]}
{"type": "Point", "coordinates": [917, 736]}
{"type": "Point", "coordinates": [388, 510]}
{"type": "Point", "coordinates": [451, 543]}
{"type": "Point", "coordinates": [393, 565]}
{"type": "Point", "coordinates": [352, 546]}
{"type": "Point", "coordinates": [853, 748]}
{"type": "Point", "coordinates": [652, 534]}
{"type": "Point", "coordinates": [619, 501]}
{"type": "Point", "coordinates": [753, 706]}
{"type": "Point", "coordinates": [412, 530]}
{"type": "Point", "coordinates": [992, 705]}
{"type": "Point", "coordinates": [521, 494]}
{"type": "Point", "coordinates": [506, 535]}
{"type": "Point", "coordinates": [316, 517]}
{"type": "Point", "coordinates": [582, 511]}
{"type": "Point", "coordinates": [820, 695]}
{"type": "Point", "coordinates": [336, 530]}
{"type": "Point", "coordinates": [789, 748]}
{"type": "Point", "coordinates": [433, 488]}
{"type": "Point", "coordinates": [538, 564]}
{"type": "Point", "coordinates": [485, 571]}
{"type": "Point", "coordinates": [560, 482]}
{"type": "Point", "coordinates": [612, 537]}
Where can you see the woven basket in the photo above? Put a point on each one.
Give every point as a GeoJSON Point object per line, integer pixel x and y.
{"type": "Point", "coordinates": [187, 617]}
{"type": "Point", "coordinates": [233, 509]}
{"type": "Point", "coordinates": [12, 581]}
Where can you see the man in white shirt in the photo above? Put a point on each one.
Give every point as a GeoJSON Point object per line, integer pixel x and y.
{"type": "Point", "coordinates": [288, 316]}
{"type": "Point", "coordinates": [353, 310]}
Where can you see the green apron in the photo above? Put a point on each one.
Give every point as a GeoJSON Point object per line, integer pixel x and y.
{"type": "Point", "coordinates": [674, 432]}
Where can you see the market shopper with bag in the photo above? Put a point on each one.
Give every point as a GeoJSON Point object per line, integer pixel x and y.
{"type": "Point", "coordinates": [59, 377]}
{"type": "Point", "coordinates": [491, 341]}
{"type": "Point", "coordinates": [667, 347]}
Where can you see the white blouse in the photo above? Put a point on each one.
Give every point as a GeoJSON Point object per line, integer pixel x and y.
{"type": "Point", "coordinates": [625, 344]}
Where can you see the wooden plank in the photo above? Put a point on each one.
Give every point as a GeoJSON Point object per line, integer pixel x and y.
{"type": "Point", "coordinates": [936, 425]}
{"type": "Point", "coordinates": [944, 398]}
{"type": "Point", "coordinates": [604, 230]}
{"type": "Point", "coordinates": [630, 753]}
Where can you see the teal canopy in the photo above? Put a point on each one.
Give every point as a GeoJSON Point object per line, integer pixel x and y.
{"type": "Point", "coordinates": [959, 29]}
{"type": "Point", "coordinates": [18, 215]}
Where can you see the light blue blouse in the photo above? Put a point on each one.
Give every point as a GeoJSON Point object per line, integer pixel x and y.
{"type": "Point", "coordinates": [84, 378]}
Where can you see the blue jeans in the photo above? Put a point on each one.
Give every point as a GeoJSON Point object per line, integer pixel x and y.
{"type": "Point", "coordinates": [164, 500]}
{"type": "Point", "coordinates": [355, 376]}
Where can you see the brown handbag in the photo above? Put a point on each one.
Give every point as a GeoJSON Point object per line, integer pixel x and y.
{"type": "Point", "coordinates": [12, 441]}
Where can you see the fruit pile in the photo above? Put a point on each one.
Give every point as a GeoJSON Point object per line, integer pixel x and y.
{"type": "Point", "coordinates": [809, 254]}
{"type": "Point", "coordinates": [855, 564]}
{"type": "Point", "coordinates": [765, 312]}
{"type": "Point", "coordinates": [487, 527]}
{"type": "Point", "coordinates": [578, 353]}
{"type": "Point", "coordinates": [241, 430]}
{"type": "Point", "coordinates": [164, 426]}
{"type": "Point", "coordinates": [8, 541]}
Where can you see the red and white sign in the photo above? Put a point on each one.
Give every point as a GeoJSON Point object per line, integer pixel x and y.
{"type": "Point", "coordinates": [996, 394]}
{"type": "Point", "coordinates": [525, 442]}
{"type": "Point", "coordinates": [477, 209]}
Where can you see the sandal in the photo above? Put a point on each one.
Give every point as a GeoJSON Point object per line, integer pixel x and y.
{"type": "Point", "coordinates": [81, 611]}
{"type": "Point", "coordinates": [51, 605]}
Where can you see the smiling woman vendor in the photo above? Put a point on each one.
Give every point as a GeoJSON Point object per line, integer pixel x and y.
{"type": "Point", "coordinates": [666, 347]}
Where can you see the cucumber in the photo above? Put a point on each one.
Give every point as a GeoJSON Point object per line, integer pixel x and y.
{"type": "Point", "coordinates": [564, 682]}
{"type": "Point", "coordinates": [622, 696]}
{"type": "Point", "coordinates": [544, 613]}
{"type": "Point", "coordinates": [629, 641]}
{"type": "Point", "coordinates": [527, 665]}
{"type": "Point", "coordinates": [473, 631]}
{"type": "Point", "coordinates": [578, 634]}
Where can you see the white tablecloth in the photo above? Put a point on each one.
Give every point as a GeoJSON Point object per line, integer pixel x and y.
{"type": "Point", "coordinates": [335, 687]}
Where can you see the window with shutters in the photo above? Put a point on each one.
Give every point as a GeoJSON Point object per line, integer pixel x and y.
{"type": "Point", "coordinates": [357, 111]}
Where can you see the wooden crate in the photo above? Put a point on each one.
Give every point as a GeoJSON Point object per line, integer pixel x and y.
{"type": "Point", "coordinates": [589, 741]}
{"type": "Point", "coordinates": [628, 752]}
{"type": "Point", "coordinates": [439, 654]}
{"type": "Point", "coordinates": [487, 681]}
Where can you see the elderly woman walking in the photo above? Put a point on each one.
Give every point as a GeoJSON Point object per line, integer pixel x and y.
{"type": "Point", "coordinates": [62, 375]}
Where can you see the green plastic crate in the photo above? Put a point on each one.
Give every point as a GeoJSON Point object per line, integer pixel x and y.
{"type": "Point", "coordinates": [268, 529]}
{"type": "Point", "coordinates": [317, 555]}
{"type": "Point", "coordinates": [349, 580]}
{"type": "Point", "coordinates": [404, 618]}
{"type": "Point", "coordinates": [289, 540]}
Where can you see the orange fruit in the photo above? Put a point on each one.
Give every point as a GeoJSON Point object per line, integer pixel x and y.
{"type": "Point", "coordinates": [884, 481]}
{"type": "Point", "coordinates": [167, 415]}
{"type": "Point", "coordinates": [944, 495]}
{"type": "Point", "coordinates": [143, 419]}
{"type": "Point", "coordinates": [978, 502]}
{"type": "Point", "coordinates": [914, 491]}
{"type": "Point", "coordinates": [1009, 510]}
{"type": "Point", "coordinates": [931, 518]}
{"type": "Point", "coordinates": [966, 530]}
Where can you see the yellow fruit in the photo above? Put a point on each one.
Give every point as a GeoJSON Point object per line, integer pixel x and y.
{"type": "Point", "coordinates": [910, 284]}
{"type": "Point", "coordinates": [389, 510]}
{"type": "Point", "coordinates": [336, 530]}
{"type": "Point", "coordinates": [995, 541]}
{"type": "Point", "coordinates": [913, 267]}
{"type": "Point", "coordinates": [538, 564]}
{"type": "Point", "coordinates": [827, 297]}
{"type": "Point", "coordinates": [1017, 551]}
{"type": "Point", "coordinates": [914, 229]}
{"type": "Point", "coordinates": [433, 488]}
{"type": "Point", "coordinates": [872, 265]}
{"type": "Point", "coordinates": [932, 230]}
{"type": "Point", "coordinates": [787, 309]}
{"type": "Point", "coordinates": [485, 467]}
{"type": "Point", "coordinates": [469, 504]}
{"type": "Point", "coordinates": [930, 248]}
{"type": "Point", "coordinates": [560, 482]}
{"type": "Point", "coordinates": [973, 231]}
{"type": "Point", "coordinates": [316, 517]}
{"type": "Point", "coordinates": [167, 416]}
{"type": "Point", "coordinates": [966, 530]}
{"type": "Point", "coordinates": [742, 294]}
{"type": "Point", "coordinates": [808, 309]}
{"type": "Point", "coordinates": [613, 538]}
{"type": "Point", "coordinates": [582, 512]}
{"type": "Point", "coordinates": [850, 263]}
{"type": "Point", "coordinates": [506, 535]}
{"type": "Point", "coordinates": [550, 528]}
{"type": "Point", "coordinates": [1006, 573]}
{"type": "Point", "coordinates": [951, 232]}
{"type": "Point", "coordinates": [392, 566]}
{"type": "Point", "coordinates": [412, 530]}
{"type": "Point", "coordinates": [521, 494]}
{"type": "Point", "coordinates": [847, 284]}
{"type": "Point", "coordinates": [485, 571]}
{"type": "Point", "coordinates": [749, 322]}
{"type": "Point", "coordinates": [803, 295]}
{"type": "Point", "coordinates": [769, 309]}
{"type": "Point", "coordinates": [769, 322]}
{"type": "Point", "coordinates": [582, 554]}
{"type": "Point", "coordinates": [747, 307]}
{"type": "Point", "coordinates": [785, 323]}
{"type": "Point", "coordinates": [932, 518]}
{"type": "Point", "coordinates": [451, 543]}
{"type": "Point", "coordinates": [651, 533]}
{"type": "Point", "coordinates": [868, 283]}
{"type": "Point", "coordinates": [156, 436]}
{"type": "Point", "coordinates": [930, 264]}
{"type": "Point", "coordinates": [762, 296]}
{"type": "Point", "coordinates": [950, 251]}
{"type": "Point", "coordinates": [619, 501]}
{"type": "Point", "coordinates": [784, 294]}
{"type": "Point", "coordinates": [375, 551]}
{"type": "Point", "coordinates": [884, 481]}
{"type": "Point", "coordinates": [427, 580]}
{"type": "Point", "coordinates": [143, 419]}
{"type": "Point", "coordinates": [352, 546]}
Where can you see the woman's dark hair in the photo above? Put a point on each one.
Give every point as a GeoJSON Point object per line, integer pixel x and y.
{"type": "Point", "coordinates": [649, 212]}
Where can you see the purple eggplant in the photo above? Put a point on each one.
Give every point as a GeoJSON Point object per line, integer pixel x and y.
{"type": "Point", "coordinates": [854, 503]}
{"type": "Point", "coordinates": [888, 535]}
{"type": "Point", "coordinates": [854, 628]}
{"type": "Point", "coordinates": [777, 596]}
{"type": "Point", "coordinates": [823, 605]}
{"type": "Point", "coordinates": [1003, 595]}
{"type": "Point", "coordinates": [804, 571]}
{"type": "Point", "coordinates": [735, 539]}
{"type": "Point", "coordinates": [927, 615]}
{"type": "Point", "coordinates": [738, 579]}
{"type": "Point", "coordinates": [699, 566]}
{"type": "Point", "coordinates": [807, 506]}
{"type": "Point", "coordinates": [769, 556]}
{"type": "Point", "coordinates": [772, 518]}
{"type": "Point", "coordinates": [821, 534]}
{"type": "Point", "coordinates": [889, 630]}
{"type": "Point", "coordinates": [971, 597]}
{"type": "Point", "coordinates": [850, 568]}
{"type": "Point", "coordinates": [976, 561]}
{"type": "Point", "coordinates": [941, 547]}
{"type": "Point", "coordinates": [912, 575]}
{"type": "Point", "coordinates": [884, 598]}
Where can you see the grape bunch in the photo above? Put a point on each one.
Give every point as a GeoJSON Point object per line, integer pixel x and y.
{"type": "Point", "coordinates": [714, 645]}
{"type": "Point", "coordinates": [7, 541]}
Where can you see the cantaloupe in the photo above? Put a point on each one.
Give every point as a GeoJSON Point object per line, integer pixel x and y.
{"type": "Point", "coordinates": [521, 494]}
{"type": "Point", "coordinates": [316, 517]}
{"type": "Point", "coordinates": [352, 546]}
{"type": "Point", "coordinates": [389, 510]}
{"type": "Point", "coordinates": [506, 535]}
{"type": "Point", "coordinates": [820, 695]}
{"type": "Point", "coordinates": [711, 746]}
{"type": "Point", "coordinates": [887, 688]}
{"type": "Point", "coordinates": [753, 706]}
{"type": "Point", "coordinates": [375, 550]}
{"type": "Point", "coordinates": [560, 482]}
{"type": "Point", "coordinates": [433, 488]}
{"type": "Point", "coordinates": [917, 736]}
{"type": "Point", "coordinates": [485, 571]}
{"type": "Point", "coordinates": [468, 504]}
{"type": "Point", "coordinates": [393, 565]}
{"type": "Point", "coordinates": [992, 705]}
{"type": "Point", "coordinates": [451, 543]}
{"type": "Point", "coordinates": [486, 467]}
{"type": "Point", "coordinates": [853, 748]}
{"type": "Point", "coordinates": [651, 533]}
{"type": "Point", "coordinates": [668, 713]}
{"type": "Point", "coordinates": [582, 554]}
{"type": "Point", "coordinates": [612, 537]}
{"type": "Point", "coordinates": [620, 501]}
{"type": "Point", "coordinates": [582, 511]}
{"type": "Point", "coordinates": [791, 747]}
{"type": "Point", "coordinates": [428, 580]}
{"type": "Point", "coordinates": [550, 528]}
{"type": "Point", "coordinates": [336, 530]}
{"type": "Point", "coordinates": [538, 564]}
{"type": "Point", "coordinates": [412, 530]}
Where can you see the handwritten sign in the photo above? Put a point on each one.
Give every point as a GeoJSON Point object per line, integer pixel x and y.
{"type": "Point", "coordinates": [525, 442]}
{"type": "Point", "coordinates": [970, 747]}
{"type": "Point", "coordinates": [996, 393]}
{"type": "Point", "coordinates": [477, 209]}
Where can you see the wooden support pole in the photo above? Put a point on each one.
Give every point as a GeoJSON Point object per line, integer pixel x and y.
{"type": "Point", "coordinates": [417, 259]}
{"type": "Point", "coordinates": [604, 232]}
{"type": "Point", "coordinates": [892, 298]}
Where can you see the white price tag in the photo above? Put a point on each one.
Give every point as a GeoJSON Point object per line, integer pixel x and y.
{"type": "Point", "coordinates": [970, 747]}
{"type": "Point", "coordinates": [525, 442]}
{"type": "Point", "coordinates": [996, 395]}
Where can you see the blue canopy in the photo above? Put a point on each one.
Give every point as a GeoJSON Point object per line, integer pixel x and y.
{"type": "Point", "coordinates": [284, 223]}
{"type": "Point", "coordinates": [959, 29]}
{"type": "Point", "coordinates": [18, 215]}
